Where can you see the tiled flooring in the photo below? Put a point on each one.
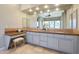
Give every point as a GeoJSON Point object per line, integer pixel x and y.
{"type": "Point", "coordinates": [30, 49]}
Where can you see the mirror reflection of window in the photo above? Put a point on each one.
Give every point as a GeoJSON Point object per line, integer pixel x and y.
{"type": "Point", "coordinates": [73, 20]}
{"type": "Point", "coordinates": [74, 23]}
{"type": "Point", "coordinates": [57, 24]}
{"type": "Point", "coordinates": [51, 24]}
{"type": "Point", "coordinates": [52, 21]}
{"type": "Point", "coordinates": [46, 24]}
{"type": "Point", "coordinates": [37, 25]}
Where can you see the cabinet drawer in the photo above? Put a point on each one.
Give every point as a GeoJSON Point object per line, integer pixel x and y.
{"type": "Point", "coordinates": [59, 36]}
{"type": "Point", "coordinates": [44, 44]}
{"type": "Point", "coordinates": [43, 38]}
{"type": "Point", "coordinates": [51, 35]}
{"type": "Point", "coordinates": [43, 34]}
{"type": "Point", "coordinates": [70, 37]}
{"type": "Point", "coordinates": [29, 33]}
{"type": "Point", "coordinates": [36, 40]}
{"type": "Point", "coordinates": [33, 33]}
{"type": "Point", "coordinates": [29, 39]}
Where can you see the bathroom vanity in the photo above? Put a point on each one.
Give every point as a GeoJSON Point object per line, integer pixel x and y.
{"type": "Point", "coordinates": [60, 41]}
{"type": "Point", "coordinates": [64, 40]}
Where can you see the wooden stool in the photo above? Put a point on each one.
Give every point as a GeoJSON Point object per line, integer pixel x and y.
{"type": "Point", "coordinates": [17, 40]}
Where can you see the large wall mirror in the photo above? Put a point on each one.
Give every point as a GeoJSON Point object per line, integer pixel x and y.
{"type": "Point", "coordinates": [51, 17]}
{"type": "Point", "coordinates": [74, 19]}
{"type": "Point", "coordinates": [51, 20]}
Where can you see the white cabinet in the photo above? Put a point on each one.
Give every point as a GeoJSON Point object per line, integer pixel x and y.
{"type": "Point", "coordinates": [66, 45]}
{"type": "Point", "coordinates": [43, 44]}
{"type": "Point", "coordinates": [1, 41]}
{"type": "Point", "coordinates": [43, 37]}
{"type": "Point", "coordinates": [7, 41]}
{"type": "Point", "coordinates": [32, 38]}
{"type": "Point", "coordinates": [63, 43]}
{"type": "Point", "coordinates": [36, 38]}
{"type": "Point", "coordinates": [29, 37]}
{"type": "Point", "coordinates": [43, 40]}
{"type": "Point", "coordinates": [52, 43]}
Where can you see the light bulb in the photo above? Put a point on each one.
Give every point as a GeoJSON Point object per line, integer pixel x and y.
{"type": "Point", "coordinates": [46, 6]}
{"type": "Point", "coordinates": [48, 10]}
{"type": "Point", "coordinates": [37, 8]}
{"type": "Point", "coordinates": [57, 9]}
{"type": "Point", "coordinates": [30, 10]}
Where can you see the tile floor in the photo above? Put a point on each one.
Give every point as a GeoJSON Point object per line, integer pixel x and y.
{"type": "Point", "coordinates": [30, 49]}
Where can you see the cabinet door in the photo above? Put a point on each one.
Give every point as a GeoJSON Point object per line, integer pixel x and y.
{"type": "Point", "coordinates": [36, 39]}
{"type": "Point", "coordinates": [7, 41]}
{"type": "Point", "coordinates": [1, 41]}
{"type": "Point", "coordinates": [43, 44]}
{"type": "Point", "coordinates": [29, 38]}
{"type": "Point", "coordinates": [52, 43]}
{"type": "Point", "coordinates": [43, 37]}
{"type": "Point", "coordinates": [66, 45]}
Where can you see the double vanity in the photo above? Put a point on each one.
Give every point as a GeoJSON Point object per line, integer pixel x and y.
{"type": "Point", "coordinates": [61, 41]}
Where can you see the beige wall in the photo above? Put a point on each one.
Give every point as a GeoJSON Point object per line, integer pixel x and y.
{"type": "Point", "coordinates": [11, 16]}
{"type": "Point", "coordinates": [31, 21]}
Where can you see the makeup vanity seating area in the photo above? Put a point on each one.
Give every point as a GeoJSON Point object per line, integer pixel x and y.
{"type": "Point", "coordinates": [64, 40]}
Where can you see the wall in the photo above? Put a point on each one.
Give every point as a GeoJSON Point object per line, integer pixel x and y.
{"type": "Point", "coordinates": [11, 16]}
{"type": "Point", "coordinates": [69, 12]}
{"type": "Point", "coordinates": [31, 21]}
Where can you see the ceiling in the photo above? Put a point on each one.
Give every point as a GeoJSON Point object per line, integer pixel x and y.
{"type": "Point", "coordinates": [52, 14]}
{"type": "Point", "coordinates": [25, 8]}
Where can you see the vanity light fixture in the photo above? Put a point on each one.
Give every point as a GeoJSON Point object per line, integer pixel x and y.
{"type": "Point", "coordinates": [37, 8]}
{"type": "Point", "coordinates": [48, 10]}
{"type": "Point", "coordinates": [46, 6]}
{"type": "Point", "coordinates": [30, 10]}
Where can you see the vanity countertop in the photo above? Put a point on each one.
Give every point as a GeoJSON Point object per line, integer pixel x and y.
{"type": "Point", "coordinates": [51, 31]}
{"type": "Point", "coordinates": [56, 31]}
{"type": "Point", "coordinates": [14, 33]}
